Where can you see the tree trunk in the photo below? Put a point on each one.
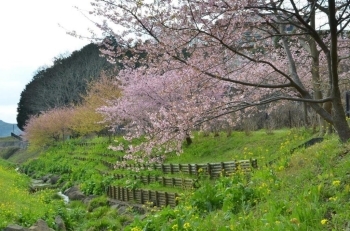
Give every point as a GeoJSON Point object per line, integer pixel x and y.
{"type": "Point", "coordinates": [188, 140]}
{"type": "Point", "coordinates": [327, 127]}
{"type": "Point", "coordinates": [305, 114]}
{"type": "Point", "coordinates": [339, 118]}
{"type": "Point", "coordinates": [315, 72]}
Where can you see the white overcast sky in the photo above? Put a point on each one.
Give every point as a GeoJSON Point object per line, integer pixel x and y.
{"type": "Point", "coordinates": [30, 37]}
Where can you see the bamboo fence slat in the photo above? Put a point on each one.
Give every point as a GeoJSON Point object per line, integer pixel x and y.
{"type": "Point", "coordinates": [157, 198]}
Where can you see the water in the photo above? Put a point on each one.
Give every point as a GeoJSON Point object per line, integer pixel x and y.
{"type": "Point", "coordinates": [65, 198]}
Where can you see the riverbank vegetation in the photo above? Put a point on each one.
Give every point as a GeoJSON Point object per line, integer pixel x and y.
{"type": "Point", "coordinates": [304, 190]}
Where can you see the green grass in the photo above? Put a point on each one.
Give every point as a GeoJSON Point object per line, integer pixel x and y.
{"type": "Point", "coordinates": [306, 190]}
{"type": "Point", "coordinates": [18, 206]}
{"type": "Point", "coordinates": [239, 146]}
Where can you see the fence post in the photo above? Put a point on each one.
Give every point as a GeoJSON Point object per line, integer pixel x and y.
{"type": "Point", "coordinates": [222, 168]}
{"type": "Point", "coordinates": [254, 163]}
{"type": "Point", "coordinates": [118, 196]}
{"type": "Point", "coordinates": [166, 199]}
{"type": "Point", "coordinates": [157, 199]}
{"type": "Point", "coordinates": [209, 170]}
{"type": "Point", "coordinates": [149, 196]}
{"type": "Point", "coordinates": [141, 199]}
{"type": "Point", "coordinates": [175, 199]}
{"type": "Point", "coordinates": [114, 192]}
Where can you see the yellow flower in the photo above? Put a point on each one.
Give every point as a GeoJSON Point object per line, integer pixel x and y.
{"type": "Point", "coordinates": [332, 199]}
{"type": "Point", "coordinates": [175, 227]}
{"type": "Point", "coordinates": [187, 225]}
{"type": "Point", "coordinates": [324, 221]}
{"type": "Point", "coordinates": [336, 182]}
{"type": "Point", "coordinates": [136, 229]}
{"type": "Point", "coordinates": [294, 220]}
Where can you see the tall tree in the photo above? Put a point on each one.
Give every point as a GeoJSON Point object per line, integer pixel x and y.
{"type": "Point", "coordinates": [62, 84]}
{"type": "Point", "coordinates": [164, 108]}
{"type": "Point", "coordinates": [248, 44]}
{"type": "Point", "coordinates": [86, 119]}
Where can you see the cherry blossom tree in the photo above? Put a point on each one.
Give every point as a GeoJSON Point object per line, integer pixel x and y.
{"type": "Point", "coordinates": [267, 51]}
{"type": "Point", "coordinates": [48, 127]}
{"type": "Point", "coordinates": [164, 108]}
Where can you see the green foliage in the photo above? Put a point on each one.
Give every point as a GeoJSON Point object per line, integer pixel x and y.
{"type": "Point", "coordinates": [62, 84]}
{"type": "Point", "coordinates": [97, 202]}
{"type": "Point", "coordinates": [237, 146]}
{"type": "Point", "coordinates": [96, 184]}
{"type": "Point", "coordinates": [18, 206]}
{"type": "Point", "coordinates": [306, 190]}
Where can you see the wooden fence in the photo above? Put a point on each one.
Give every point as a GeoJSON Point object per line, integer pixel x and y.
{"type": "Point", "coordinates": [142, 196]}
{"type": "Point", "coordinates": [91, 143]}
{"type": "Point", "coordinates": [214, 170]}
{"type": "Point", "coordinates": [165, 181]}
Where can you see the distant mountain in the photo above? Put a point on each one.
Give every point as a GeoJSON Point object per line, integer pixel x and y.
{"type": "Point", "coordinates": [6, 129]}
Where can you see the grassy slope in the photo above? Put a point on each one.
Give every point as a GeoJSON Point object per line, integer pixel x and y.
{"type": "Point", "coordinates": [306, 190]}
{"type": "Point", "coordinates": [17, 205]}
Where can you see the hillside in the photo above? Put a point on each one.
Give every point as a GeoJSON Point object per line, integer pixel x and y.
{"type": "Point", "coordinates": [6, 129]}
{"type": "Point", "coordinates": [304, 190]}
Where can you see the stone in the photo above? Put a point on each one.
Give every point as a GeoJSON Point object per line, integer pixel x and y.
{"type": "Point", "coordinates": [54, 179]}
{"type": "Point", "coordinates": [87, 199]}
{"type": "Point", "coordinates": [122, 209]}
{"type": "Point", "coordinates": [14, 227]}
{"type": "Point", "coordinates": [60, 226]}
{"type": "Point", "coordinates": [40, 225]}
{"type": "Point", "coordinates": [74, 193]}
{"type": "Point", "coordinates": [46, 178]}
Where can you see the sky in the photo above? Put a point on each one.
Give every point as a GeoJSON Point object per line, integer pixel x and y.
{"type": "Point", "coordinates": [32, 34]}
